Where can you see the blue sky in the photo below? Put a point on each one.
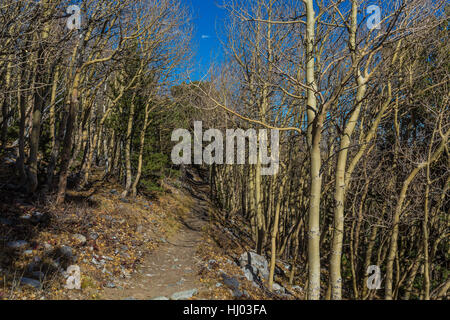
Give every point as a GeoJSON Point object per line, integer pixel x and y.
{"type": "Point", "coordinates": [208, 18]}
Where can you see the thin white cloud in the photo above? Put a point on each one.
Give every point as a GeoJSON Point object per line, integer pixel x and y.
{"type": "Point", "coordinates": [205, 36]}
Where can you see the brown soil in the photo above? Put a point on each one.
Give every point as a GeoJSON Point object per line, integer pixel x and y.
{"type": "Point", "coordinates": [174, 267]}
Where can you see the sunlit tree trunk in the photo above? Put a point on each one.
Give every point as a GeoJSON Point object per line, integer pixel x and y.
{"type": "Point", "coordinates": [275, 230]}
{"type": "Point", "coordinates": [141, 149]}
{"type": "Point", "coordinates": [315, 121]}
{"type": "Point", "coordinates": [128, 140]}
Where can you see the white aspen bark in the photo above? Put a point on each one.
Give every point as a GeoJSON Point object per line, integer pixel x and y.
{"type": "Point", "coordinates": [314, 138]}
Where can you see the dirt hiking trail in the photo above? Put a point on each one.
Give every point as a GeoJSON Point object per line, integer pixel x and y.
{"type": "Point", "coordinates": [174, 266]}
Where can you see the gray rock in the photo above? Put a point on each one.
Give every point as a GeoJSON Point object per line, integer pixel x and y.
{"type": "Point", "coordinates": [160, 298]}
{"type": "Point", "coordinates": [231, 282]}
{"type": "Point", "coordinates": [184, 295]}
{"type": "Point", "coordinates": [25, 217]}
{"type": "Point", "coordinates": [93, 236]}
{"type": "Point", "coordinates": [5, 222]}
{"type": "Point", "coordinates": [37, 217]}
{"type": "Point", "coordinates": [38, 275]}
{"type": "Point", "coordinates": [8, 160]}
{"type": "Point", "coordinates": [248, 273]}
{"type": "Point", "coordinates": [34, 264]}
{"type": "Point", "coordinates": [66, 251]}
{"type": "Point", "coordinates": [211, 264]}
{"type": "Point", "coordinates": [10, 186]}
{"type": "Point", "coordinates": [254, 266]}
{"type": "Point", "coordinates": [278, 288]}
{"type": "Point", "coordinates": [110, 285]}
{"type": "Point", "coordinates": [238, 293]}
{"type": "Point", "coordinates": [31, 282]}
{"type": "Point", "coordinates": [297, 288]}
{"type": "Point", "coordinates": [80, 238]}
{"type": "Point", "coordinates": [73, 281]}
{"type": "Point", "coordinates": [17, 244]}
{"type": "Point", "coordinates": [231, 262]}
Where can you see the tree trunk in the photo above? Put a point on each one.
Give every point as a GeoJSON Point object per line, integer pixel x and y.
{"type": "Point", "coordinates": [398, 210]}
{"type": "Point", "coordinates": [128, 141]}
{"type": "Point", "coordinates": [5, 107]}
{"type": "Point", "coordinates": [141, 150]}
{"type": "Point", "coordinates": [275, 231]}
{"type": "Point", "coordinates": [68, 141]}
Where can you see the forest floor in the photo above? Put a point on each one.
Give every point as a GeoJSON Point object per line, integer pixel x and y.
{"type": "Point", "coordinates": [172, 268]}
{"type": "Point", "coordinates": [176, 246]}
